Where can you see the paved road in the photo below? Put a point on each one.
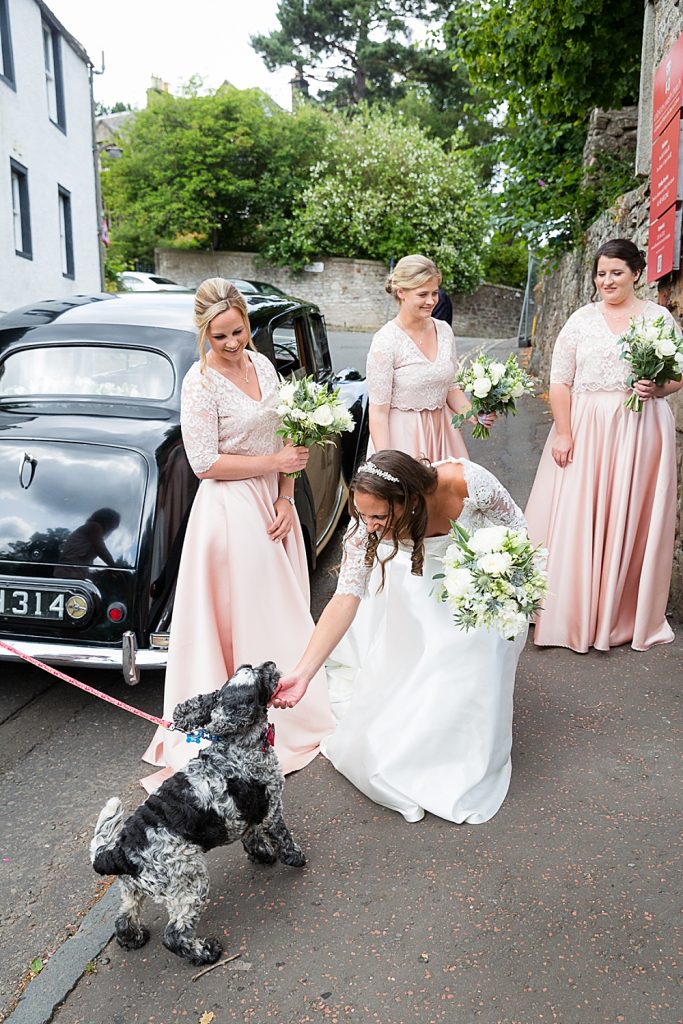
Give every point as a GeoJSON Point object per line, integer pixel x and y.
{"type": "Point", "coordinates": [562, 909]}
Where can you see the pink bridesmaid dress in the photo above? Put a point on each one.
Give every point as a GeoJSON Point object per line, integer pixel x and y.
{"type": "Point", "coordinates": [607, 518]}
{"type": "Point", "coordinates": [240, 598]}
{"type": "Point", "coordinates": [416, 390]}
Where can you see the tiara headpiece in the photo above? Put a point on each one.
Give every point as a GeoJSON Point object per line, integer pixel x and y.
{"type": "Point", "coordinates": [370, 467]}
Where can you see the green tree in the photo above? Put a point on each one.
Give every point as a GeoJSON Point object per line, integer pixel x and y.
{"type": "Point", "coordinates": [544, 65]}
{"type": "Point", "coordinates": [217, 171]}
{"type": "Point", "coordinates": [383, 188]}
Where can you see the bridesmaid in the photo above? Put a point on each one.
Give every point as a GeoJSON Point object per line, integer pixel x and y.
{"type": "Point", "coordinates": [604, 498]}
{"type": "Point", "coordinates": [242, 592]}
{"type": "Point", "coordinates": [410, 370]}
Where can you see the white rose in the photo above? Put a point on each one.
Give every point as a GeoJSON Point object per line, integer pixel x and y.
{"type": "Point", "coordinates": [496, 371]}
{"type": "Point", "coordinates": [517, 390]}
{"type": "Point", "coordinates": [495, 564]}
{"type": "Point", "coordinates": [458, 582]}
{"type": "Point", "coordinates": [287, 392]}
{"type": "Point", "coordinates": [509, 623]}
{"type": "Point", "coordinates": [481, 387]}
{"type": "Point", "coordinates": [282, 410]}
{"type": "Point", "coordinates": [650, 334]}
{"type": "Point", "coordinates": [323, 416]}
{"type": "Point", "coordinates": [297, 414]}
{"type": "Point", "coordinates": [453, 556]}
{"type": "Point", "coordinates": [489, 538]}
{"type": "Point", "coordinates": [665, 347]}
{"type": "Point", "coordinates": [478, 370]}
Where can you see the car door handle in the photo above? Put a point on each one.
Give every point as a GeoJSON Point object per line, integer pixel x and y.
{"type": "Point", "coordinates": [31, 463]}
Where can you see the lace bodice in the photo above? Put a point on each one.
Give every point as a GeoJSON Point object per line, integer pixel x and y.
{"type": "Point", "coordinates": [586, 353]}
{"type": "Point", "coordinates": [487, 503]}
{"type": "Point", "coordinates": [217, 418]}
{"type": "Point", "coordinates": [399, 374]}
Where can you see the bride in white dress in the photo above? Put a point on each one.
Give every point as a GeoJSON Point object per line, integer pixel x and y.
{"type": "Point", "coordinates": [425, 708]}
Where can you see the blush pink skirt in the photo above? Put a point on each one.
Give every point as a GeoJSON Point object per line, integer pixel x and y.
{"type": "Point", "coordinates": [608, 522]}
{"type": "Point", "coordinates": [425, 433]}
{"type": "Point", "coordinates": [241, 598]}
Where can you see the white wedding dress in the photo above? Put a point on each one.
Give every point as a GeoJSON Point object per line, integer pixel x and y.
{"type": "Point", "coordinates": [425, 709]}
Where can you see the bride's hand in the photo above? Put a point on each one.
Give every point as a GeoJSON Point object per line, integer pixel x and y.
{"type": "Point", "coordinates": [290, 691]}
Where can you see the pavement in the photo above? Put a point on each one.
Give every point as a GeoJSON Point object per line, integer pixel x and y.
{"type": "Point", "coordinates": [564, 908]}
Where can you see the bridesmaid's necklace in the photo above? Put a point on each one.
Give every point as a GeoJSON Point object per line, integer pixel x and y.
{"type": "Point", "coordinates": [405, 330]}
{"type": "Point", "coordinates": [241, 376]}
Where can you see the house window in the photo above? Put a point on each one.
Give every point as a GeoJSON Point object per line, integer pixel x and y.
{"type": "Point", "coordinates": [66, 245]}
{"type": "Point", "coordinates": [6, 61]}
{"type": "Point", "coordinates": [54, 79]}
{"type": "Point", "coordinates": [21, 217]}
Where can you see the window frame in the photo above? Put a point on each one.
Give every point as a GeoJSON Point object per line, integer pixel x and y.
{"type": "Point", "coordinates": [66, 232]}
{"type": "Point", "coordinates": [7, 71]}
{"type": "Point", "coordinates": [55, 72]}
{"type": "Point", "coordinates": [20, 173]}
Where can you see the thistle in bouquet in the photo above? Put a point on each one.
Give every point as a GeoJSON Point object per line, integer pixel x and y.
{"type": "Point", "coordinates": [492, 387]}
{"type": "Point", "coordinates": [493, 578]}
{"type": "Point", "coordinates": [311, 413]}
{"type": "Point", "coordinates": [653, 352]}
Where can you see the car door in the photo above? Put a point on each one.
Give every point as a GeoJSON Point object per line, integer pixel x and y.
{"type": "Point", "coordinates": [293, 341]}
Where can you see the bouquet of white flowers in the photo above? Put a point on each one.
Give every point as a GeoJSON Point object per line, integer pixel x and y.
{"type": "Point", "coordinates": [492, 579]}
{"type": "Point", "coordinates": [311, 413]}
{"type": "Point", "coordinates": [653, 351]}
{"type": "Point", "coordinates": [491, 386]}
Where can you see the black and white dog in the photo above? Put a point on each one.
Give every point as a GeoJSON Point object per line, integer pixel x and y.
{"type": "Point", "coordinates": [231, 790]}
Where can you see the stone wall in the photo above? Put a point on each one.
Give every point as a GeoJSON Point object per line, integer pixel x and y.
{"type": "Point", "coordinates": [350, 292]}
{"type": "Point", "coordinates": [612, 132]}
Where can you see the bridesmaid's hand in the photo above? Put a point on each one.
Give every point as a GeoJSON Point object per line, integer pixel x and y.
{"type": "Point", "coordinates": [290, 691]}
{"type": "Point", "coordinates": [644, 389]}
{"type": "Point", "coordinates": [284, 520]}
{"type": "Point", "coordinates": [488, 419]}
{"type": "Point", "coordinates": [291, 458]}
{"type": "Point", "coordinates": [563, 450]}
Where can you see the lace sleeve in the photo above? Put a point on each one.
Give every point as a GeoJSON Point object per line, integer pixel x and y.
{"type": "Point", "coordinates": [380, 370]}
{"type": "Point", "coordinates": [354, 573]}
{"type": "Point", "coordinates": [199, 422]}
{"type": "Point", "coordinates": [491, 498]}
{"type": "Point", "coordinates": [448, 331]}
{"type": "Point", "coordinates": [563, 365]}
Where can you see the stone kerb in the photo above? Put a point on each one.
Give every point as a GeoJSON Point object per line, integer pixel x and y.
{"type": "Point", "coordinates": [350, 292]}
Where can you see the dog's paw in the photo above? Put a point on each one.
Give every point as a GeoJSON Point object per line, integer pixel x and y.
{"type": "Point", "coordinates": [206, 951]}
{"type": "Point", "coordinates": [294, 858]}
{"type": "Point", "coordinates": [259, 851]}
{"type": "Point", "coordinates": [129, 937]}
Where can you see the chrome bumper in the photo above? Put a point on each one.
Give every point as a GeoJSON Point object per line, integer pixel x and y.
{"type": "Point", "coordinates": [127, 658]}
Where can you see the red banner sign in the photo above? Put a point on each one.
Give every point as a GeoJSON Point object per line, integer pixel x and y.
{"type": "Point", "coordinates": [668, 88]}
{"type": "Point", "coordinates": [667, 160]}
{"type": "Point", "coordinates": [664, 244]}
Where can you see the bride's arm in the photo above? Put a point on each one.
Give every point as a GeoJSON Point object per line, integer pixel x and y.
{"type": "Point", "coordinates": [332, 625]}
{"type": "Point", "coordinates": [492, 499]}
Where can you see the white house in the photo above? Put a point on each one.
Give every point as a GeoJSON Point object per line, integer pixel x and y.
{"type": "Point", "coordinates": [49, 201]}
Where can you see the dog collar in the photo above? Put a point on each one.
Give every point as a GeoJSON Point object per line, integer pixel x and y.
{"type": "Point", "coordinates": [201, 734]}
{"type": "Point", "coordinates": [267, 737]}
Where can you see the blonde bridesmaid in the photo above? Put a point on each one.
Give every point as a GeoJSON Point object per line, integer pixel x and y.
{"type": "Point", "coordinates": [410, 370]}
{"type": "Point", "coordinates": [243, 593]}
{"type": "Point", "coordinates": [604, 497]}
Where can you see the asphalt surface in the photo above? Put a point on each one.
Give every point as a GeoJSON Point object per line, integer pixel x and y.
{"type": "Point", "coordinates": [564, 908]}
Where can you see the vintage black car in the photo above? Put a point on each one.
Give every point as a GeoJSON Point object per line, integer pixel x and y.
{"type": "Point", "coordinates": [95, 487]}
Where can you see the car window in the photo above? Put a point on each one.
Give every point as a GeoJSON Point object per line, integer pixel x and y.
{"type": "Point", "coordinates": [288, 345]}
{"type": "Point", "coordinates": [86, 370]}
{"type": "Point", "coordinates": [161, 280]}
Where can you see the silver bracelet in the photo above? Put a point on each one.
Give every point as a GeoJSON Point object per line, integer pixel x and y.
{"type": "Point", "coordinates": [286, 497]}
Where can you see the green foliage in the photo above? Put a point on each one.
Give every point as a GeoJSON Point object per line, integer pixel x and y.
{"type": "Point", "coordinates": [505, 260]}
{"type": "Point", "coordinates": [544, 65]}
{"type": "Point", "coordinates": [220, 167]}
{"type": "Point", "coordinates": [383, 188]}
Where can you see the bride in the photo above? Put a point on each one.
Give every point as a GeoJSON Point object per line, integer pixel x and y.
{"type": "Point", "coordinates": [425, 708]}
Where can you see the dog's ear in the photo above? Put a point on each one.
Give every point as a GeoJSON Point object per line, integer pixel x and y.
{"type": "Point", "coordinates": [269, 677]}
{"type": "Point", "coordinates": [194, 713]}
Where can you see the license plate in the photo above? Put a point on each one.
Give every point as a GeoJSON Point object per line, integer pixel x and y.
{"type": "Point", "coordinates": [32, 604]}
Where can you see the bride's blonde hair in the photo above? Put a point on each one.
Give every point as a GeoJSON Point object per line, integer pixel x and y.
{"type": "Point", "coordinates": [214, 296]}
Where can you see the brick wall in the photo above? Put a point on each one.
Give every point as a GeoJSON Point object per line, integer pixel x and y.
{"type": "Point", "coordinates": [349, 292]}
